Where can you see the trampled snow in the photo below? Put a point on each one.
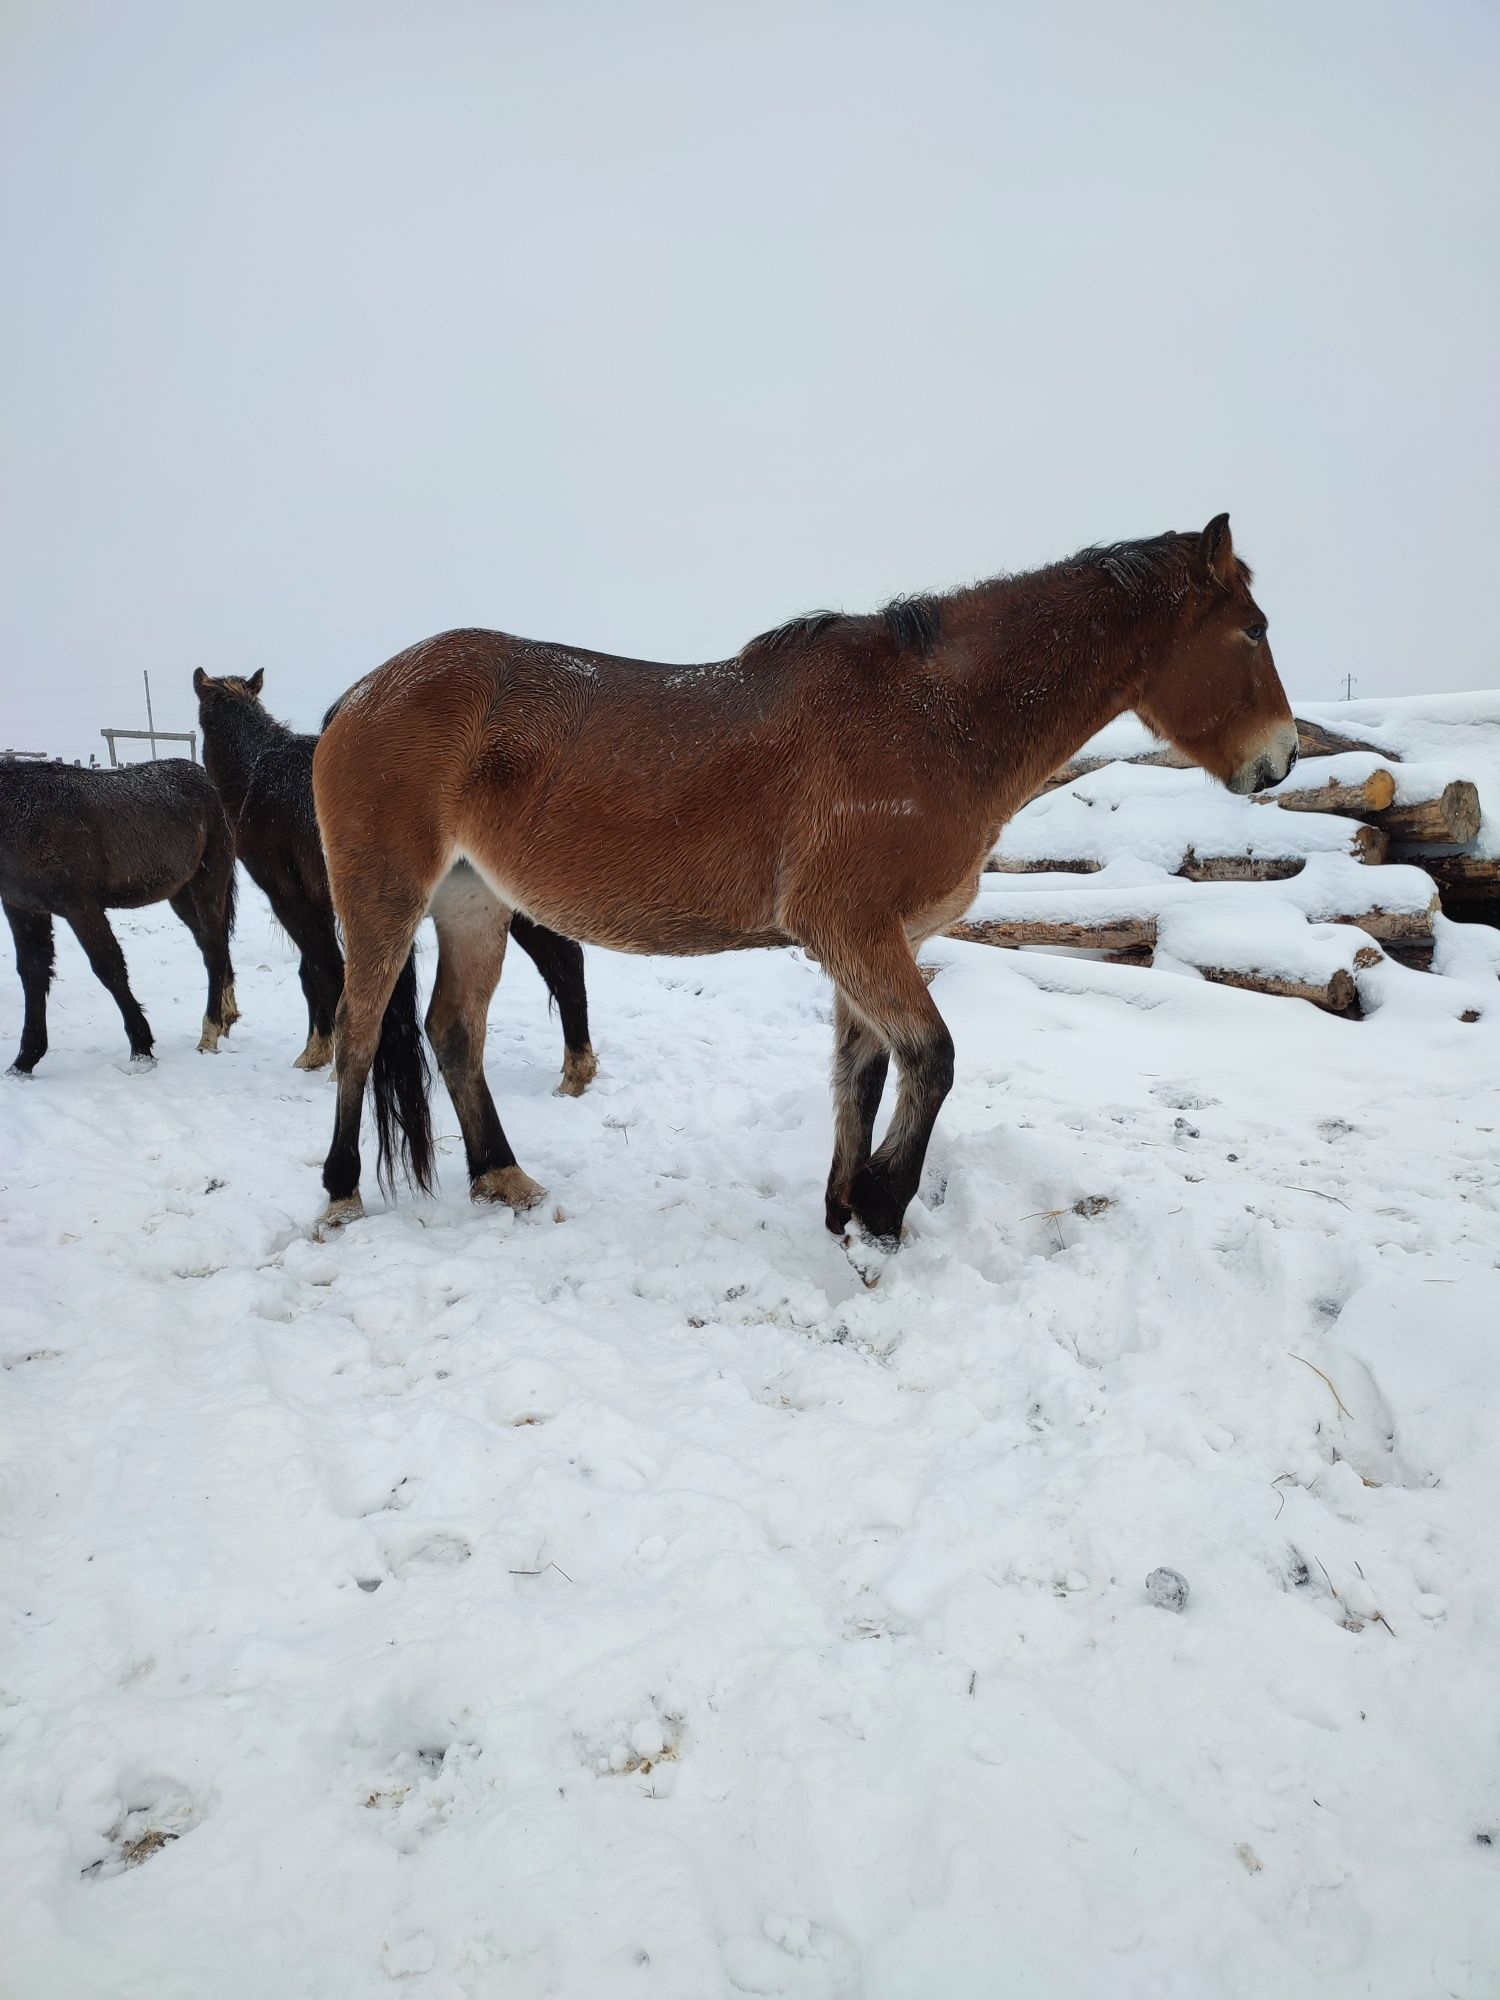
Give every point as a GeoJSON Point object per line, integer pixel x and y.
{"type": "Point", "coordinates": [627, 1600]}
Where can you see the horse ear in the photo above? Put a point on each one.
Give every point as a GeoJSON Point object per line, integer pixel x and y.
{"type": "Point", "coordinates": [1216, 550]}
{"type": "Point", "coordinates": [257, 679]}
{"type": "Point", "coordinates": [200, 680]}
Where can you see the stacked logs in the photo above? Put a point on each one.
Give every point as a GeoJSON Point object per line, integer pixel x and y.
{"type": "Point", "coordinates": [1386, 831]}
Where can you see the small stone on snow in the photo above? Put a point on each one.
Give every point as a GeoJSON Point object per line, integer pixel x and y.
{"type": "Point", "coordinates": [1166, 1588]}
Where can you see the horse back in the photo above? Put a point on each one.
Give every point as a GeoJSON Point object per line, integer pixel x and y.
{"type": "Point", "coordinates": [120, 839]}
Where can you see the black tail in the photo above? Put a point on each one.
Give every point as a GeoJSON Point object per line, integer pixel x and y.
{"type": "Point", "coordinates": [403, 1123]}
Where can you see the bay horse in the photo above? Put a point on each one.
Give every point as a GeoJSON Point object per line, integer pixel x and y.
{"type": "Point", "coordinates": [75, 843]}
{"type": "Point", "coordinates": [836, 785]}
{"type": "Point", "coordinates": [263, 771]}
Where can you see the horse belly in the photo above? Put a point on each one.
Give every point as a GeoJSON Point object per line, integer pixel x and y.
{"type": "Point", "coordinates": [633, 894]}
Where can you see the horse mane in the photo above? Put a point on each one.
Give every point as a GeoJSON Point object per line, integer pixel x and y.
{"type": "Point", "coordinates": [913, 623]}
{"type": "Point", "coordinates": [1159, 561]}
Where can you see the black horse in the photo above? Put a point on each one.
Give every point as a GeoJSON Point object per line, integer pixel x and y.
{"type": "Point", "coordinates": [264, 774]}
{"type": "Point", "coordinates": [76, 843]}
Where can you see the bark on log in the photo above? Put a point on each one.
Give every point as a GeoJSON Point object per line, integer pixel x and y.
{"type": "Point", "coordinates": [1477, 873]}
{"type": "Point", "coordinates": [1002, 864]}
{"type": "Point", "coordinates": [1080, 767]}
{"type": "Point", "coordinates": [1315, 741]}
{"type": "Point", "coordinates": [1240, 867]}
{"type": "Point", "coordinates": [1451, 819]}
{"type": "Point", "coordinates": [1109, 934]}
{"type": "Point", "coordinates": [1336, 994]}
{"type": "Point", "coordinates": [1389, 926]}
{"type": "Point", "coordinates": [1367, 795]}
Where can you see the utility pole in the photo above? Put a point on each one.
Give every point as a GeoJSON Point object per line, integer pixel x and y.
{"type": "Point", "coordinates": [150, 719]}
{"type": "Point", "coordinates": [1350, 683]}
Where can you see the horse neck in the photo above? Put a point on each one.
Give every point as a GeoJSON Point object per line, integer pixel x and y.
{"type": "Point", "coordinates": [233, 740]}
{"type": "Point", "coordinates": [1051, 658]}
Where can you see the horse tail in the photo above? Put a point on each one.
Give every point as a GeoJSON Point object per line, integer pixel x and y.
{"type": "Point", "coordinates": [218, 863]}
{"type": "Point", "coordinates": [402, 1079]}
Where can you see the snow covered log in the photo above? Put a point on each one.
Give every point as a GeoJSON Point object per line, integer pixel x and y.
{"type": "Point", "coordinates": [1102, 934]}
{"type": "Point", "coordinates": [1450, 819]}
{"type": "Point", "coordinates": [1079, 767]}
{"type": "Point", "coordinates": [1475, 874]}
{"type": "Point", "coordinates": [1371, 794]}
{"type": "Point", "coordinates": [1336, 994]}
{"type": "Point", "coordinates": [1314, 740]}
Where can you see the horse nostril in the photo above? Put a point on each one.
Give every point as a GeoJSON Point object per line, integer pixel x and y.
{"type": "Point", "coordinates": [1291, 757]}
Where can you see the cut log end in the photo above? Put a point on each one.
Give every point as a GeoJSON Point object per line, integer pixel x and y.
{"type": "Point", "coordinates": [1449, 820]}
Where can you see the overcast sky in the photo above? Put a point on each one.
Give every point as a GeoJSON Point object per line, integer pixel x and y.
{"type": "Point", "coordinates": [643, 327]}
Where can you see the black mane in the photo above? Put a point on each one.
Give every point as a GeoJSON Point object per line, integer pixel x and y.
{"type": "Point", "coordinates": [1161, 560]}
{"type": "Point", "coordinates": [914, 623]}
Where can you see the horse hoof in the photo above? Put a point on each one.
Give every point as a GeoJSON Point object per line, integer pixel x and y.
{"type": "Point", "coordinates": [208, 1041]}
{"type": "Point", "coordinates": [509, 1185]}
{"type": "Point", "coordinates": [142, 1062]}
{"type": "Point", "coordinates": [317, 1055]}
{"type": "Point", "coordinates": [580, 1067]}
{"type": "Point", "coordinates": [348, 1208]}
{"type": "Point", "coordinates": [16, 1070]}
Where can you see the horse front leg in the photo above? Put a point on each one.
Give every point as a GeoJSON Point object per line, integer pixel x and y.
{"type": "Point", "coordinates": [32, 931]}
{"type": "Point", "coordinates": [860, 1063]}
{"type": "Point", "coordinates": [876, 974]}
{"type": "Point", "coordinates": [102, 948]}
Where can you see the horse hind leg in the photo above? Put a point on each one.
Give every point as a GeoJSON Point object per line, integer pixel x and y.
{"type": "Point", "coordinates": [472, 927]}
{"type": "Point", "coordinates": [102, 948]}
{"type": "Point", "coordinates": [560, 962]}
{"type": "Point", "coordinates": [184, 906]}
{"type": "Point", "coordinates": [321, 972]}
{"type": "Point", "coordinates": [32, 931]}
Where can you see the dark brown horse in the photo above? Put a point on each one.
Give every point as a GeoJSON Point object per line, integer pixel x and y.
{"type": "Point", "coordinates": [836, 785]}
{"type": "Point", "coordinates": [75, 843]}
{"type": "Point", "coordinates": [263, 771]}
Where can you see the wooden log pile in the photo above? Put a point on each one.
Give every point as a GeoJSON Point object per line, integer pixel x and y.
{"type": "Point", "coordinates": [1424, 831]}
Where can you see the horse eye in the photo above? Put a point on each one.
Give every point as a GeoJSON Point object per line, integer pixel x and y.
{"type": "Point", "coordinates": [1255, 633]}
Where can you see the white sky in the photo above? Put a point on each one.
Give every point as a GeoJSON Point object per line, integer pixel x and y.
{"type": "Point", "coordinates": [324, 327]}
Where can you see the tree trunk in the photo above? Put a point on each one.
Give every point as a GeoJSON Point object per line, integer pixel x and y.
{"type": "Point", "coordinates": [1315, 741]}
{"type": "Point", "coordinates": [1365, 795]}
{"type": "Point", "coordinates": [1451, 819]}
{"type": "Point", "coordinates": [1108, 934]}
{"type": "Point", "coordinates": [1336, 994]}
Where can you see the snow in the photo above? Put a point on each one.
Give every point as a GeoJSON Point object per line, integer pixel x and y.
{"type": "Point", "coordinates": [1157, 814]}
{"type": "Point", "coordinates": [626, 1600]}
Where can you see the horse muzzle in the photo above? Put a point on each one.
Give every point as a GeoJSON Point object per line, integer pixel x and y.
{"type": "Point", "coordinates": [1270, 764]}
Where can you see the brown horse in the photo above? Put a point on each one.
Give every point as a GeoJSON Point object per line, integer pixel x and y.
{"type": "Point", "coordinates": [836, 785]}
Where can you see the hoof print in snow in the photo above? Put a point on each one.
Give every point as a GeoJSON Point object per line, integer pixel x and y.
{"type": "Point", "coordinates": [1167, 1588]}
{"type": "Point", "coordinates": [142, 1831]}
{"type": "Point", "coordinates": [421, 1790]}
{"type": "Point", "coordinates": [638, 1749]}
{"type": "Point", "coordinates": [793, 1955]}
{"type": "Point", "coordinates": [1090, 1205]}
{"type": "Point", "coordinates": [408, 1955]}
{"type": "Point", "coordinates": [1182, 1097]}
{"type": "Point", "coordinates": [436, 1551]}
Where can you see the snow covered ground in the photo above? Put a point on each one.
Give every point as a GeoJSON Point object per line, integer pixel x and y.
{"type": "Point", "coordinates": [626, 1601]}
